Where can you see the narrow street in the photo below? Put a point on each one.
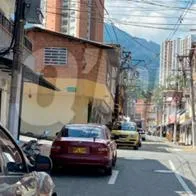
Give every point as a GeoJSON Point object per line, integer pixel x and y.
{"type": "Point", "coordinates": [158, 168]}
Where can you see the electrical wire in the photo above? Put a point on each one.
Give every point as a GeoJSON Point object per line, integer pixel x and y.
{"type": "Point", "coordinates": [105, 26]}
{"type": "Point", "coordinates": [112, 24]}
{"type": "Point", "coordinates": [127, 24]}
{"type": "Point", "coordinates": [180, 19]}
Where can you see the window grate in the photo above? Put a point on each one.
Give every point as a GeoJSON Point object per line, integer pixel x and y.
{"type": "Point", "coordinates": [55, 56]}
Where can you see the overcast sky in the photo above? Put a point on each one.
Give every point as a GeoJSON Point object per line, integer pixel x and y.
{"type": "Point", "coordinates": [141, 12]}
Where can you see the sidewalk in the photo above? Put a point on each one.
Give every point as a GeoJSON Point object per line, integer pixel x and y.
{"type": "Point", "coordinates": [189, 149]}
{"type": "Point", "coordinates": [183, 148]}
{"type": "Point", "coordinates": [46, 144]}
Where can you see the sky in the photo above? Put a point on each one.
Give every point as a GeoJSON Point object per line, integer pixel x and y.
{"type": "Point", "coordinates": [132, 15]}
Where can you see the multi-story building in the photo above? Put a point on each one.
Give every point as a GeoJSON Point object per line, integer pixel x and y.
{"type": "Point", "coordinates": [166, 55]}
{"type": "Point", "coordinates": [79, 18]}
{"type": "Point", "coordinates": [174, 62]}
{"type": "Point", "coordinates": [84, 71]}
{"type": "Point", "coordinates": [6, 30]}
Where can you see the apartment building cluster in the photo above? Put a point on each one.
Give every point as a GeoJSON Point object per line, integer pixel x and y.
{"type": "Point", "coordinates": [174, 77]}
{"type": "Point", "coordinates": [69, 73]}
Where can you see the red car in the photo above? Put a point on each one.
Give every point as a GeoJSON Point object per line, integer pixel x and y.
{"type": "Point", "coordinates": [84, 144]}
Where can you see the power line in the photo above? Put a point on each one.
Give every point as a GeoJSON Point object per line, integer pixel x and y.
{"type": "Point", "coordinates": [122, 23]}
{"type": "Point", "coordinates": [112, 24]}
{"type": "Point", "coordinates": [180, 19]}
{"type": "Point", "coordinates": [107, 31]}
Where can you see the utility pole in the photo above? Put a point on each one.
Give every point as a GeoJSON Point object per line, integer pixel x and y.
{"type": "Point", "coordinates": [162, 119]}
{"type": "Point", "coordinates": [15, 91]}
{"type": "Point", "coordinates": [125, 59]}
{"type": "Point", "coordinates": [176, 109]}
{"type": "Point", "coordinates": [192, 95]}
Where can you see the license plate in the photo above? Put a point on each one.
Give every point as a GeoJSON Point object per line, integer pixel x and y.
{"type": "Point", "coordinates": [79, 150]}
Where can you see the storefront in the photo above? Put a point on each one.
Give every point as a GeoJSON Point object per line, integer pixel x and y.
{"type": "Point", "coordinates": [185, 129]}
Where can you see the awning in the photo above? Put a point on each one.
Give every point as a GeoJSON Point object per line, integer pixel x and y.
{"type": "Point", "coordinates": [172, 119]}
{"type": "Point", "coordinates": [188, 122]}
{"type": "Point", "coordinates": [29, 74]}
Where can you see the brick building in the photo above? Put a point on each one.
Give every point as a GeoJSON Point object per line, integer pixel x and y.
{"type": "Point", "coordinates": [84, 71]}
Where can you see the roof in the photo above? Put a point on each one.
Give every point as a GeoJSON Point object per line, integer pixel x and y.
{"type": "Point", "coordinates": [29, 74]}
{"type": "Point", "coordinates": [98, 44]}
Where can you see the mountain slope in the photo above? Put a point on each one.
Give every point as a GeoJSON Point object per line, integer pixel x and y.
{"type": "Point", "coordinates": [141, 50]}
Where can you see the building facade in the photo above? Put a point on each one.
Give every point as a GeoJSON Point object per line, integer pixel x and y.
{"type": "Point", "coordinates": [6, 61]}
{"type": "Point", "coordinates": [174, 76]}
{"type": "Point", "coordinates": [7, 8]}
{"type": "Point", "coordinates": [84, 71]}
{"type": "Point", "coordinates": [79, 18]}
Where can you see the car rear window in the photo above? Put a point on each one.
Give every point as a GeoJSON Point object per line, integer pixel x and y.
{"type": "Point", "coordinates": [125, 126]}
{"type": "Point", "coordinates": [82, 132]}
{"type": "Point", "coordinates": [128, 127]}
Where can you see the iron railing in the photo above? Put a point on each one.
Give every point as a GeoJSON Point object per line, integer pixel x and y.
{"type": "Point", "coordinates": [8, 26]}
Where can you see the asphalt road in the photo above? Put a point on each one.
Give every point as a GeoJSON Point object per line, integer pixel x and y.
{"type": "Point", "coordinates": [156, 169]}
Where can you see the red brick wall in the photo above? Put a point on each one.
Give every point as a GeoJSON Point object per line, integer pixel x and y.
{"type": "Point", "coordinates": [53, 18]}
{"type": "Point", "coordinates": [97, 21]}
{"type": "Point", "coordinates": [82, 23]}
{"type": "Point", "coordinates": [84, 60]}
{"type": "Point", "coordinates": [53, 15]}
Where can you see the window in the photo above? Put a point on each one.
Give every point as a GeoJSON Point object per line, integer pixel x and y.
{"type": "Point", "coordinates": [108, 80]}
{"type": "Point", "coordinates": [64, 29]}
{"type": "Point", "coordinates": [65, 22]}
{"type": "Point", "coordinates": [64, 14]}
{"type": "Point", "coordinates": [11, 156]}
{"type": "Point", "coordinates": [55, 56]}
{"type": "Point", "coordinates": [82, 132]}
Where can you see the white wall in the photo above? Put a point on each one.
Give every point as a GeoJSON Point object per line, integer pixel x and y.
{"type": "Point", "coordinates": [7, 7]}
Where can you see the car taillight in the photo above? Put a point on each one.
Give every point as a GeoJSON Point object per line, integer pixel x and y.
{"type": "Point", "coordinates": [55, 148]}
{"type": "Point", "coordinates": [103, 150]}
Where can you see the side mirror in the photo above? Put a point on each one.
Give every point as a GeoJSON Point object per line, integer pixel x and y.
{"type": "Point", "coordinates": [43, 163]}
{"type": "Point", "coordinates": [57, 133]}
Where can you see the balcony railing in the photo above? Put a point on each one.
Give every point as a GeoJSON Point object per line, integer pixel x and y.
{"type": "Point", "coordinates": [8, 26]}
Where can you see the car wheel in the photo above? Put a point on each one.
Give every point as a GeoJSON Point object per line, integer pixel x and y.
{"type": "Point", "coordinates": [108, 171]}
{"type": "Point", "coordinates": [55, 169]}
{"type": "Point", "coordinates": [114, 161]}
{"type": "Point", "coordinates": [135, 147]}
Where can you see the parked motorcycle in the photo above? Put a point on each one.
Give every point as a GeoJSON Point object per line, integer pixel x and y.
{"type": "Point", "coordinates": [33, 153]}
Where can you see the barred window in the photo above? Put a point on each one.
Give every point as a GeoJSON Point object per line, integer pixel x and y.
{"type": "Point", "coordinates": [55, 56]}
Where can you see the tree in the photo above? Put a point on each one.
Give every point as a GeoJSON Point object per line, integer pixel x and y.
{"type": "Point", "coordinates": [157, 97]}
{"type": "Point", "coordinates": [175, 80]}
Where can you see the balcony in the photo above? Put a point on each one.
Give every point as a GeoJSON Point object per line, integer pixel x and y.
{"type": "Point", "coordinates": [7, 26]}
{"type": "Point", "coordinates": [186, 92]}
